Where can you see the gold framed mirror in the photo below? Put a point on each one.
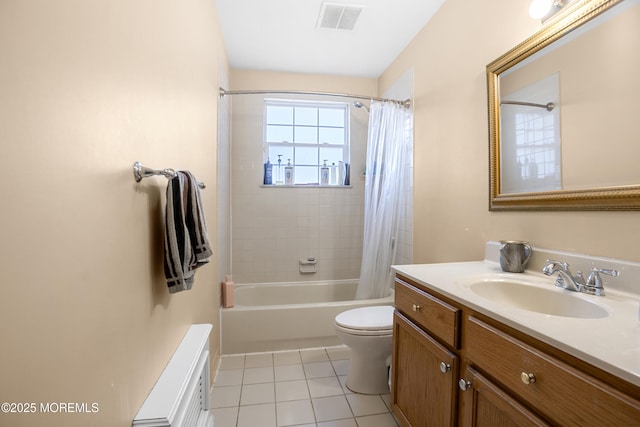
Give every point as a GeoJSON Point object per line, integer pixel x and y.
{"type": "Point", "coordinates": [560, 138]}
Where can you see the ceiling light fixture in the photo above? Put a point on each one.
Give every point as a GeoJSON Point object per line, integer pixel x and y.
{"type": "Point", "coordinates": [545, 9]}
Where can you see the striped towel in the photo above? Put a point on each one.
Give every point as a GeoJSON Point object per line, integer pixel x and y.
{"type": "Point", "coordinates": [186, 246]}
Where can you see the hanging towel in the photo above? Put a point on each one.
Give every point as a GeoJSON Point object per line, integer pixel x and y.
{"type": "Point", "coordinates": [186, 246]}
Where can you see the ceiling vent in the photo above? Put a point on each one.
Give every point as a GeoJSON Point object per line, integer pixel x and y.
{"type": "Point", "coordinates": [337, 16]}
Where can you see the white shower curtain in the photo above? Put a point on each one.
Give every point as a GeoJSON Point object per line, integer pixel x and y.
{"type": "Point", "coordinates": [385, 195]}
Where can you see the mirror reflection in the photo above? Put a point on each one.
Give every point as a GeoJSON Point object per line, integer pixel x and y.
{"type": "Point", "coordinates": [531, 151]}
{"type": "Point", "coordinates": [567, 115]}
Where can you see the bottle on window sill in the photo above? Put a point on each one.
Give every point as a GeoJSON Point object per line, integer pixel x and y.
{"type": "Point", "coordinates": [324, 174]}
{"type": "Point", "coordinates": [288, 173]}
{"type": "Point", "coordinates": [333, 179]}
{"type": "Point", "coordinates": [268, 173]}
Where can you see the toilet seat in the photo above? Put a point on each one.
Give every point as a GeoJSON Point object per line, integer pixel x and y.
{"type": "Point", "coordinates": [375, 320]}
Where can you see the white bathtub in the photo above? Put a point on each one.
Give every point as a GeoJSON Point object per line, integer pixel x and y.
{"type": "Point", "coordinates": [282, 316]}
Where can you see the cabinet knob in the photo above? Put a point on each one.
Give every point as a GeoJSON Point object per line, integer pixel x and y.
{"type": "Point", "coordinates": [444, 367]}
{"type": "Point", "coordinates": [416, 307]}
{"type": "Point", "coordinates": [464, 384]}
{"type": "Point", "coordinates": [528, 378]}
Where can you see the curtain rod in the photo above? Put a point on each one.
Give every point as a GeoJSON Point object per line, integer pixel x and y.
{"type": "Point", "coordinates": [549, 106]}
{"type": "Point", "coordinates": [223, 92]}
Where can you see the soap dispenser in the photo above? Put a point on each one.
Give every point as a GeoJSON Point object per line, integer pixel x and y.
{"type": "Point", "coordinates": [227, 292]}
{"type": "Point", "coordinates": [288, 173]}
{"type": "Point", "coordinates": [324, 174]}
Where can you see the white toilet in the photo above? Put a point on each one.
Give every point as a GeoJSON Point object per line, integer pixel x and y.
{"type": "Point", "coordinates": [368, 333]}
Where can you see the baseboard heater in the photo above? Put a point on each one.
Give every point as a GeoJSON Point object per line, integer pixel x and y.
{"type": "Point", "coordinates": [181, 396]}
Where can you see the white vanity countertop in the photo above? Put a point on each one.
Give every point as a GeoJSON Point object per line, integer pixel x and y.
{"type": "Point", "coordinates": [611, 343]}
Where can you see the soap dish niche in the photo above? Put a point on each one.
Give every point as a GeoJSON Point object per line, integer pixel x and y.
{"type": "Point", "coordinates": [308, 266]}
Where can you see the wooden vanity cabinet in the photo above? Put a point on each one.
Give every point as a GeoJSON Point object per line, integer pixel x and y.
{"type": "Point", "coordinates": [494, 376]}
{"type": "Point", "coordinates": [562, 393]}
{"type": "Point", "coordinates": [425, 365]}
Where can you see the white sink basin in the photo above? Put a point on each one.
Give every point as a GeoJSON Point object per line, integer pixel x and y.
{"type": "Point", "coordinates": [538, 299]}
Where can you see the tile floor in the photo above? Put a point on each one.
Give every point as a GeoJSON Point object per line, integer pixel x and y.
{"type": "Point", "coordinates": [293, 388]}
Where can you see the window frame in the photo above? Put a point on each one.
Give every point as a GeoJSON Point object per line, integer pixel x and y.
{"type": "Point", "coordinates": [296, 103]}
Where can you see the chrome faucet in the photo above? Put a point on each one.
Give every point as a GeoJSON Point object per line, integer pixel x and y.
{"type": "Point", "coordinates": [565, 279]}
{"type": "Point", "coordinates": [576, 283]}
{"type": "Point", "coordinates": [594, 282]}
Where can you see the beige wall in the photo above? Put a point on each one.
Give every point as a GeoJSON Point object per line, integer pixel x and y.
{"type": "Point", "coordinates": [86, 89]}
{"type": "Point", "coordinates": [452, 220]}
{"type": "Point", "coordinates": [273, 228]}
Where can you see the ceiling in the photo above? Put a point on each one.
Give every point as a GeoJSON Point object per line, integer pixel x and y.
{"type": "Point", "coordinates": [283, 35]}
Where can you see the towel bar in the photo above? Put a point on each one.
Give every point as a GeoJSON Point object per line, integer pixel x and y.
{"type": "Point", "coordinates": [140, 172]}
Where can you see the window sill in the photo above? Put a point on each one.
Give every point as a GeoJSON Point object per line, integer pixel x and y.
{"type": "Point", "coordinates": [304, 186]}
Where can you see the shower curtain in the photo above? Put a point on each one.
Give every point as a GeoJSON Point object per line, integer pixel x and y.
{"type": "Point", "coordinates": [385, 195]}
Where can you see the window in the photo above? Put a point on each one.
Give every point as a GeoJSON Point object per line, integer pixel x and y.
{"type": "Point", "coordinates": [530, 147]}
{"type": "Point", "coordinates": [307, 134]}
{"type": "Point", "coordinates": [531, 152]}
{"type": "Point", "coordinates": [537, 148]}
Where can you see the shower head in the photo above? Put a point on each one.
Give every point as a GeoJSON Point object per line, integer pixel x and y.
{"type": "Point", "coordinates": [359, 104]}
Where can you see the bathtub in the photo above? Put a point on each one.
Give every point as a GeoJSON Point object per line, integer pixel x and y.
{"type": "Point", "coordinates": [284, 316]}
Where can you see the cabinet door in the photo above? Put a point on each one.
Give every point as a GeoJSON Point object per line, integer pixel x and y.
{"type": "Point", "coordinates": [423, 391]}
{"type": "Point", "coordinates": [483, 404]}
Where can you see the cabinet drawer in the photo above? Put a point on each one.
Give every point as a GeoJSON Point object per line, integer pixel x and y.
{"type": "Point", "coordinates": [558, 391]}
{"type": "Point", "coordinates": [430, 313]}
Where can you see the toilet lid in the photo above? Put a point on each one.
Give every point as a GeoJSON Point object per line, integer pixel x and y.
{"type": "Point", "coordinates": [376, 318]}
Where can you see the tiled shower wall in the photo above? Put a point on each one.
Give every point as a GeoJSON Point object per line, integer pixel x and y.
{"type": "Point", "coordinates": [275, 227]}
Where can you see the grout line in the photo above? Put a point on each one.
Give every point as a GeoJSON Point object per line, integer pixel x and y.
{"type": "Point", "coordinates": [313, 408]}
{"type": "Point", "coordinates": [306, 379]}
{"type": "Point", "coordinates": [275, 398]}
